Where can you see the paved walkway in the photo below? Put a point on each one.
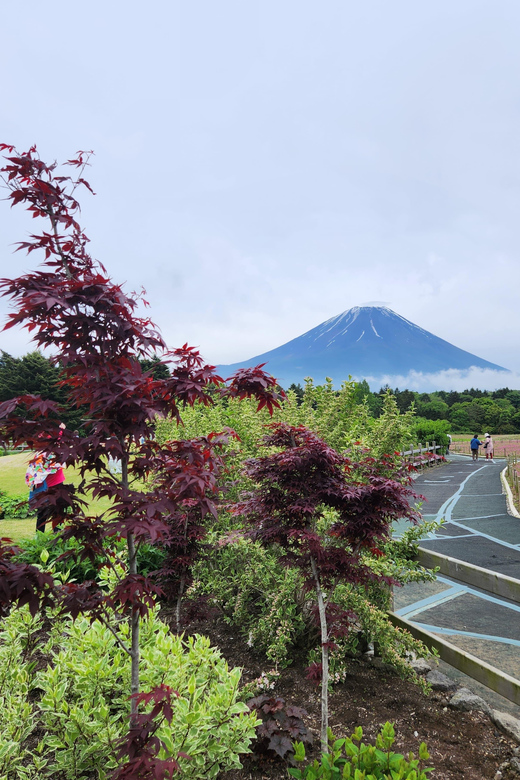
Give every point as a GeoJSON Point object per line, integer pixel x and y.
{"type": "Point", "coordinates": [479, 530]}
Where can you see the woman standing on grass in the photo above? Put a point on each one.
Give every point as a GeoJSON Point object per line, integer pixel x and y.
{"type": "Point", "coordinates": [488, 446]}
{"type": "Point", "coordinates": [42, 475]}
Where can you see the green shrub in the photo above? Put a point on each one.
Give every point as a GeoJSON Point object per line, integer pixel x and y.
{"type": "Point", "coordinates": [268, 604]}
{"type": "Point", "coordinates": [431, 430]}
{"type": "Point", "coordinates": [393, 644]}
{"type": "Point", "coordinates": [15, 506]}
{"type": "Point", "coordinates": [16, 710]}
{"type": "Point", "coordinates": [83, 711]}
{"type": "Point", "coordinates": [264, 600]}
{"type": "Point", "coordinates": [351, 759]}
{"type": "Point", "coordinates": [149, 557]}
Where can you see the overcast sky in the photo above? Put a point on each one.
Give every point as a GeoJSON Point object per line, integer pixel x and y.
{"type": "Point", "coordinates": [262, 167]}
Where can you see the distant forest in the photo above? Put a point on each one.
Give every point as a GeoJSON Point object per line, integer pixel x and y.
{"type": "Point", "coordinates": [34, 374]}
{"type": "Point", "coordinates": [471, 411]}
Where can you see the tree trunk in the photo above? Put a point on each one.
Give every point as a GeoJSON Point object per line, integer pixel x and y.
{"type": "Point", "coordinates": [182, 582]}
{"type": "Point", "coordinates": [324, 661]}
{"type": "Point", "coordinates": [178, 604]}
{"type": "Point", "coordinates": [134, 618]}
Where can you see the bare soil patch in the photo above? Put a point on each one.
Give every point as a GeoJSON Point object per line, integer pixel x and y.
{"type": "Point", "coordinates": [462, 745]}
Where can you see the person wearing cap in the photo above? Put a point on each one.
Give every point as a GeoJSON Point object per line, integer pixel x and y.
{"type": "Point", "coordinates": [488, 446]}
{"type": "Point", "coordinates": [474, 445]}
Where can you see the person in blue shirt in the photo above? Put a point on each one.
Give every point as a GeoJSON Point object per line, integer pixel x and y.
{"type": "Point", "coordinates": [474, 445]}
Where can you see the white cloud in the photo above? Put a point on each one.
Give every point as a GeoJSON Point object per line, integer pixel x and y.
{"type": "Point", "coordinates": [452, 379]}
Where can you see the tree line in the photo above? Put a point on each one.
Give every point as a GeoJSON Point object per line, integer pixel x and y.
{"type": "Point", "coordinates": [463, 412]}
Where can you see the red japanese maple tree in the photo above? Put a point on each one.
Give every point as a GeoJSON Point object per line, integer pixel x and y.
{"type": "Point", "coordinates": [72, 306]}
{"type": "Point", "coordinates": [295, 484]}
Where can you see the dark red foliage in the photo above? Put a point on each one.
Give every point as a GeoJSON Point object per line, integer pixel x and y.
{"type": "Point", "coordinates": [315, 673]}
{"type": "Point", "coordinates": [85, 597]}
{"type": "Point", "coordinates": [141, 746]}
{"type": "Point", "coordinates": [71, 305]}
{"type": "Point", "coordinates": [22, 583]}
{"type": "Point", "coordinates": [338, 620]}
{"type": "Point", "coordinates": [136, 593]}
{"type": "Point", "coordinates": [281, 726]}
{"type": "Point", "coordinates": [297, 482]}
{"type": "Point", "coordinates": [253, 382]}
{"type": "Point", "coordinates": [294, 486]}
{"type": "Point", "coordinates": [91, 531]}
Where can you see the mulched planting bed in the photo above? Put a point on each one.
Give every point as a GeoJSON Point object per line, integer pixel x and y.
{"type": "Point", "coordinates": [462, 745]}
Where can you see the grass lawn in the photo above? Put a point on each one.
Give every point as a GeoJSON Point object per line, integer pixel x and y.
{"type": "Point", "coordinates": [12, 472]}
{"type": "Point", "coordinates": [17, 530]}
{"type": "Point", "coordinates": [12, 481]}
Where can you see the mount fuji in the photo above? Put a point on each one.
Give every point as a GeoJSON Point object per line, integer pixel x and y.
{"type": "Point", "coordinates": [365, 341]}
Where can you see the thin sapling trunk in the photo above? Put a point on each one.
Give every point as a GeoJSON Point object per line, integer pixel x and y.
{"type": "Point", "coordinates": [324, 659]}
{"type": "Point", "coordinates": [134, 617]}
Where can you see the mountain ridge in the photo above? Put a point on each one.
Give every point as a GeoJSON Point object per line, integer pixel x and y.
{"type": "Point", "coordinates": [362, 342]}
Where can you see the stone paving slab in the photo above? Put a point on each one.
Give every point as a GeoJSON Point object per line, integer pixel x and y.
{"type": "Point", "coordinates": [417, 591]}
{"type": "Point", "coordinates": [500, 528]}
{"type": "Point", "coordinates": [480, 551]}
{"type": "Point", "coordinates": [467, 613]}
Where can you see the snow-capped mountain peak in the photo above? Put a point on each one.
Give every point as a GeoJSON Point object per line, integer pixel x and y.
{"type": "Point", "coordinates": [362, 341]}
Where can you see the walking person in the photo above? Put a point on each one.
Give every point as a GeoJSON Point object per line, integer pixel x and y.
{"type": "Point", "coordinates": [489, 446]}
{"type": "Point", "coordinates": [42, 475]}
{"type": "Point", "coordinates": [474, 445]}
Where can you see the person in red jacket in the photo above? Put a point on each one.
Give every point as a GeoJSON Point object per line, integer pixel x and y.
{"type": "Point", "coordinates": [42, 475]}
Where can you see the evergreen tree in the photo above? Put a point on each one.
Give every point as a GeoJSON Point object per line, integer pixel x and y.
{"type": "Point", "coordinates": [34, 374]}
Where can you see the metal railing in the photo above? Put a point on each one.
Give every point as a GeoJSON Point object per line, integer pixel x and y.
{"type": "Point", "coordinates": [463, 448]}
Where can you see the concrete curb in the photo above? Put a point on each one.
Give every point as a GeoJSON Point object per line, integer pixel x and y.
{"type": "Point", "coordinates": [512, 510]}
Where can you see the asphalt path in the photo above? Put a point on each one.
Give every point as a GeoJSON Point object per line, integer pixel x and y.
{"type": "Point", "coordinates": [477, 529]}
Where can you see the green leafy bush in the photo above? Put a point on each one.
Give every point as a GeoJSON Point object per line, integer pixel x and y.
{"type": "Point", "coordinates": [265, 601]}
{"type": "Point", "coordinates": [16, 709]}
{"type": "Point", "coordinates": [149, 557]}
{"type": "Point", "coordinates": [14, 506]}
{"type": "Point", "coordinates": [432, 431]}
{"type": "Point", "coordinates": [268, 604]}
{"type": "Point", "coordinates": [372, 625]}
{"type": "Point", "coordinates": [84, 708]}
{"type": "Point", "coordinates": [335, 415]}
{"type": "Point", "coordinates": [351, 759]}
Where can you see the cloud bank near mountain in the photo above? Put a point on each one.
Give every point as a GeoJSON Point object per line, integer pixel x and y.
{"type": "Point", "coordinates": [451, 379]}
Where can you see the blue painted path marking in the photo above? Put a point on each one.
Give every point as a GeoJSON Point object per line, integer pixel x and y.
{"type": "Point", "coordinates": [446, 595]}
{"type": "Point", "coordinates": [454, 632]}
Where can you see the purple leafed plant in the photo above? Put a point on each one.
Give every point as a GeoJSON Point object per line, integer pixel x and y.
{"type": "Point", "coordinates": [294, 484]}
{"type": "Point", "coordinates": [71, 306]}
